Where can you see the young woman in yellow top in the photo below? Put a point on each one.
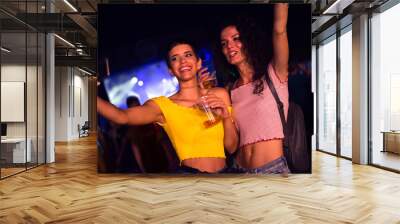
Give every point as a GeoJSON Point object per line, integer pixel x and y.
{"type": "Point", "coordinates": [199, 149]}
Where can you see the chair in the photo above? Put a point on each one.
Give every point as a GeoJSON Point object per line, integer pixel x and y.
{"type": "Point", "coordinates": [84, 130]}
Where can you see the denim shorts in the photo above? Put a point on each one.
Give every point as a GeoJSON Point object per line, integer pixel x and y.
{"type": "Point", "coordinates": [277, 166]}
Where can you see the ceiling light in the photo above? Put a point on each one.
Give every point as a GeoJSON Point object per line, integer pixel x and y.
{"type": "Point", "coordinates": [5, 49]}
{"type": "Point", "coordinates": [84, 71]}
{"type": "Point", "coordinates": [70, 5]}
{"type": "Point", "coordinates": [65, 41]}
{"type": "Point", "coordinates": [337, 7]}
{"type": "Point", "coordinates": [134, 80]}
{"type": "Point", "coordinates": [329, 9]}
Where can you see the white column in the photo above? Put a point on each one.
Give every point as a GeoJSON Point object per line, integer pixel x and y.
{"type": "Point", "coordinates": [360, 90]}
{"type": "Point", "coordinates": [50, 93]}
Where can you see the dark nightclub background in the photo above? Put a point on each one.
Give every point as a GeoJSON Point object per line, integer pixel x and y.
{"type": "Point", "coordinates": [131, 42]}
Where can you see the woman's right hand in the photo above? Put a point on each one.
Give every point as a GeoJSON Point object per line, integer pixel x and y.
{"type": "Point", "coordinates": [204, 75]}
{"type": "Point", "coordinates": [217, 105]}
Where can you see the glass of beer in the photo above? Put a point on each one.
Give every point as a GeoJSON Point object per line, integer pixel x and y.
{"type": "Point", "coordinates": [211, 118]}
{"type": "Point", "coordinates": [211, 82]}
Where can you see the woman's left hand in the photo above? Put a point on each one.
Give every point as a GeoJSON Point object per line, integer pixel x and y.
{"type": "Point", "coordinates": [217, 105]}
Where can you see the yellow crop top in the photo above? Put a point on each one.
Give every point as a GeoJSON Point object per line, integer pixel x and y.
{"type": "Point", "coordinates": [187, 133]}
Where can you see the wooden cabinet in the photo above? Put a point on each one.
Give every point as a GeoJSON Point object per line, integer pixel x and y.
{"type": "Point", "coordinates": [391, 141]}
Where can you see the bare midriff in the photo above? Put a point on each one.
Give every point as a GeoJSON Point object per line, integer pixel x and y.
{"type": "Point", "coordinates": [260, 153]}
{"type": "Point", "coordinates": [210, 165]}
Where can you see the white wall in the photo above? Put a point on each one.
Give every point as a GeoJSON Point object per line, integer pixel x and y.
{"type": "Point", "coordinates": [61, 103]}
{"type": "Point", "coordinates": [71, 101]}
{"type": "Point", "coordinates": [13, 73]}
{"type": "Point", "coordinates": [80, 97]}
{"type": "Point", "coordinates": [34, 124]}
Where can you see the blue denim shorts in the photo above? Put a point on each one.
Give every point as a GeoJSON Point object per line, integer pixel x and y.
{"type": "Point", "coordinates": [277, 166]}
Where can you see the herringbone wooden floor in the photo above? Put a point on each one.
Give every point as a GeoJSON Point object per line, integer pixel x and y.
{"type": "Point", "coordinates": [71, 191]}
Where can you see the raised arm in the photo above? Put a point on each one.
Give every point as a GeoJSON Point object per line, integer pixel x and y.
{"type": "Point", "coordinates": [280, 41]}
{"type": "Point", "coordinates": [146, 114]}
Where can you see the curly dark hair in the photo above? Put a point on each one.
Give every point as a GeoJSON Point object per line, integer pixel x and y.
{"type": "Point", "coordinates": [256, 46]}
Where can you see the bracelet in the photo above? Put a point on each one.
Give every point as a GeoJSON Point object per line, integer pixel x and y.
{"type": "Point", "coordinates": [279, 33]}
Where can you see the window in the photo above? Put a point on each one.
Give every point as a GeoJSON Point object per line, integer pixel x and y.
{"type": "Point", "coordinates": [22, 65]}
{"type": "Point", "coordinates": [385, 88]}
{"type": "Point", "coordinates": [327, 96]}
{"type": "Point", "coordinates": [346, 93]}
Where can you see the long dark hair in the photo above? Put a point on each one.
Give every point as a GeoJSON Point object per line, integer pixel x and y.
{"type": "Point", "coordinates": [256, 46]}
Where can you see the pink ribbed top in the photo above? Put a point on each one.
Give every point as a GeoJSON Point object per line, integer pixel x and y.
{"type": "Point", "coordinates": [257, 116]}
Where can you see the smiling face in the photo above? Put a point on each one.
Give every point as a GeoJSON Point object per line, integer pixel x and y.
{"type": "Point", "coordinates": [232, 47]}
{"type": "Point", "coordinates": [183, 62]}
